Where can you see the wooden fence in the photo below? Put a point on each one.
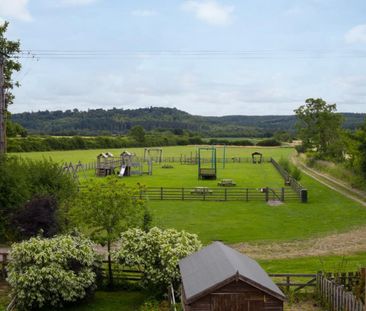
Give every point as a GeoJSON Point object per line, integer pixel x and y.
{"type": "Point", "coordinates": [294, 281]}
{"type": "Point", "coordinates": [289, 180]}
{"type": "Point", "coordinates": [220, 194]}
{"type": "Point", "coordinates": [182, 160]}
{"type": "Point", "coordinates": [336, 297]}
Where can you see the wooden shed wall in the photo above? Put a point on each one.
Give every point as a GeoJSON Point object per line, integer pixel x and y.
{"type": "Point", "coordinates": [236, 296]}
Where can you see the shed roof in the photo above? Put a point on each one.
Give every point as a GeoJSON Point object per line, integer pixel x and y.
{"type": "Point", "coordinates": [217, 263]}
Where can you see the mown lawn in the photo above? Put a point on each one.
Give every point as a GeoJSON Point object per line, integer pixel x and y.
{"type": "Point", "coordinates": [332, 263]}
{"type": "Point", "coordinates": [112, 301]}
{"type": "Point", "coordinates": [232, 222]}
{"type": "Point", "coordinates": [90, 155]}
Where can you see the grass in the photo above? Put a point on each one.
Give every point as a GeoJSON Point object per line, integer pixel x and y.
{"type": "Point", "coordinates": [345, 263]}
{"type": "Point", "coordinates": [326, 212]}
{"type": "Point", "coordinates": [111, 301]}
{"type": "Point", "coordinates": [86, 156]}
{"type": "Point", "coordinates": [232, 222]}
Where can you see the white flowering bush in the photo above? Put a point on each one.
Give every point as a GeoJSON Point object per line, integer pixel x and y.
{"type": "Point", "coordinates": [156, 253]}
{"type": "Point", "coordinates": [51, 272]}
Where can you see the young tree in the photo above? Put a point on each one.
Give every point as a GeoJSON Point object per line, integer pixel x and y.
{"type": "Point", "coordinates": [106, 209]}
{"type": "Point", "coordinates": [319, 127]}
{"type": "Point", "coordinates": [157, 254]}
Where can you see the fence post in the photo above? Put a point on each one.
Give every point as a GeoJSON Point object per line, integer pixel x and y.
{"type": "Point", "coordinates": [304, 195]}
{"type": "Point", "coordinates": [267, 194]}
{"type": "Point", "coordinates": [283, 194]}
{"type": "Point", "coordinates": [247, 195]}
{"type": "Point", "coordinates": [161, 193]}
{"type": "Point", "coordinates": [182, 194]}
{"type": "Point", "coordinates": [363, 275]}
{"type": "Point", "coordinates": [225, 194]}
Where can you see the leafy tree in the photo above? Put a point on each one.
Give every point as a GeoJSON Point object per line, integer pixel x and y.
{"type": "Point", "coordinates": [7, 48]}
{"type": "Point", "coordinates": [48, 273]}
{"type": "Point", "coordinates": [319, 127]}
{"type": "Point", "coordinates": [106, 209]}
{"type": "Point", "coordinates": [138, 133]}
{"type": "Point", "coordinates": [156, 253]}
{"type": "Point", "coordinates": [37, 216]}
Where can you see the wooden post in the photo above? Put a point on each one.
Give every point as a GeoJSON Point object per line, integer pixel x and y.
{"type": "Point", "coordinates": [267, 194]}
{"type": "Point", "coordinates": [2, 106]}
{"type": "Point", "coordinates": [363, 281]}
{"type": "Point", "coordinates": [247, 195]}
{"type": "Point", "coordinates": [161, 193]}
{"type": "Point", "coordinates": [283, 194]}
{"type": "Point", "coordinates": [182, 194]}
{"type": "Point", "coordinates": [225, 194]}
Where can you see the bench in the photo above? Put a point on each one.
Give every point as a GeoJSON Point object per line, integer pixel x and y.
{"type": "Point", "coordinates": [226, 183]}
{"type": "Point", "coordinates": [201, 190]}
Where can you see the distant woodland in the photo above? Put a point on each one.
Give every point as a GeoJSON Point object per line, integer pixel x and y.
{"type": "Point", "coordinates": [120, 121]}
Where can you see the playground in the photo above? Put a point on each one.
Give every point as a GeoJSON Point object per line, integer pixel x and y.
{"type": "Point", "coordinates": [230, 221]}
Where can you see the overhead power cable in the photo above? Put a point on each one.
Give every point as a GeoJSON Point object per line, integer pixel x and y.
{"type": "Point", "coordinates": [184, 54]}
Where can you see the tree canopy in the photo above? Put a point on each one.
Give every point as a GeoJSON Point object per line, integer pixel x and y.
{"type": "Point", "coordinates": [319, 127]}
{"type": "Point", "coordinates": [8, 48]}
{"type": "Point", "coordinates": [106, 209]}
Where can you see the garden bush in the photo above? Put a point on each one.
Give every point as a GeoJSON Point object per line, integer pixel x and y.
{"type": "Point", "coordinates": [49, 273]}
{"type": "Point", "coordinates": [35, 217]}
{"type": "Point", "coordinates": [269, 143]}
{"type": "Point", "coordinates": [156, 253]}
{"type": "Point", "coordinates": [23, 180]}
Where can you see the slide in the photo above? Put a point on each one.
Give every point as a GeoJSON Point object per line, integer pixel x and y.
{"type": "Point", "coordinates": [122, 171]}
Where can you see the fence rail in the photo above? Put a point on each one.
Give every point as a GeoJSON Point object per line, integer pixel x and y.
{"type": "Point", "coordinates": [182, 160]}
{"type": "Point", "coordinates": [220, 194]}
{"type": "Point", "coordinates": [335, 296]}
{"type": "Point", "coordinates": [289, 180]}
{"type": "Point", "coordinates": [297, 281]}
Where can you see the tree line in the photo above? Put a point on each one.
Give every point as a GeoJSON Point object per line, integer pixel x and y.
{"type": "Point", "coordinates": [120, 121]}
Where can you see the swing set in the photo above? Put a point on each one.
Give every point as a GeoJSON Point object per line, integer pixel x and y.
{"type": "Point", "coordinates": [207, 169]}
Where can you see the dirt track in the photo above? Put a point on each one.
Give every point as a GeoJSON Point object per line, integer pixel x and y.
{"type": "Point", "coordinates": [334, 244]}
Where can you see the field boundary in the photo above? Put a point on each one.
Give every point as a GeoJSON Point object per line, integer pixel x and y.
{"type": "Point", "coordinates": [219, 194]}
{"type": "Point", "coordinates": [289, 180]}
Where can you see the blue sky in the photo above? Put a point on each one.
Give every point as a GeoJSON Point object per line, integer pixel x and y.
{"type": "Point", "coordinates": [208, 57]}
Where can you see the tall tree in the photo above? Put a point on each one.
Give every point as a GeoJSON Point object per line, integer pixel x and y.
{"type": "Point", "coordinates": [319, 127]}
{"type": "Point", "coordinates": [138, 133]}
{"type": "Point", "coordinates": [7, 67]}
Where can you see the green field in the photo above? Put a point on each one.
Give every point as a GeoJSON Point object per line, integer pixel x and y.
{"type": "Point", "coordinates": [90, 155]}
{"type": "Point", "coordinates": [326, 212]}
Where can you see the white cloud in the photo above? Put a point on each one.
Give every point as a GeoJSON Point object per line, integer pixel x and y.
{"type": "Point", "coordinates": [356, 35]}
{"type": "Point", "coordinates": [143, 13]}
{"type": "Point", "coordinates": [210, 11]}
{"type": "Point", "coordinates": [15, 9]}
{"type": "Point", "coordinates": [75, 2]}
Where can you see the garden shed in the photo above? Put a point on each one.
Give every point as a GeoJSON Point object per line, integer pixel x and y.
{"type": "Point", "coordinates": [218, 278]}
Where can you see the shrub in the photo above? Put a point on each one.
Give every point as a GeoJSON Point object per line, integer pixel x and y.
{"type": "Point", "coordinates": [157, 254]}
{"type": "Point", "coordinates": [285, 163]}
{"type": "Point", "coordinates": [296, 173]}
{"type": "Point", "coordinates": [37, 216]}
{"type": "Point", "coordinates": [269, 143]}
{"type": "Point", "coordinates": [23, 180]}
{"type": "Point", "coordinates": [51, 272]}
{"type": "Point", "coordinates": [300, 148]}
